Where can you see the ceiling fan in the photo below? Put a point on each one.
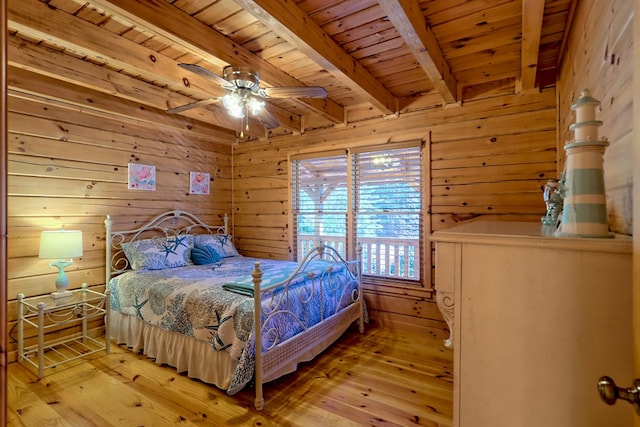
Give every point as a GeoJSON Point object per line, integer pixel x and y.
{"type": "Point", "coordinates": [245, 94]}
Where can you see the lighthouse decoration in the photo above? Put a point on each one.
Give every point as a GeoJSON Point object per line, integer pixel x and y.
{"type": "Point", "coordinates": [584, 210]}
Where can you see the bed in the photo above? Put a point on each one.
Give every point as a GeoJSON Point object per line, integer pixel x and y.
{"type": "Point", "coordinates": [182, 295]}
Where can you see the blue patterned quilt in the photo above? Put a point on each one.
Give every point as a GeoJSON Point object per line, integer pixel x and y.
{"type": "Point", "coordinates": [195, 301]}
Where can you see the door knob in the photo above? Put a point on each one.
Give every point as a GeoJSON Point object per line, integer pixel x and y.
{"type": "Point", "coordinates": [610, 392]}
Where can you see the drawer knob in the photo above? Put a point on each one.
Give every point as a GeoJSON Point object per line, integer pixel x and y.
{"type": "Point", "coordinates": [610, 392]}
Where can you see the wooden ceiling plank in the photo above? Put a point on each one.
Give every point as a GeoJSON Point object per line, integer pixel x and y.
{"type": "Point", "coordinates": [410, 22]}
{"type": "Point", "coordinates": [487, 59]}
{"type": "Point", "coordinates": [483, 42]}
{"type": "Point", "coordinates": [375, 30]}
{"type": "Point", "coordinates": [337, 11]}
{"type": "Point", "coordinates": [193, 6]}
{"type": "Point", "coordinates": [288, 20]}
{"type": "Point", "coordinates": [532, 15]}
{"type": "Point", "coordinates": [210, 45]}
{"type": "Point", "coordinates": [380, 50]}
{"type": "Point", "coordinates": [348, 18]}
{"type": "Point", "coordinates": [250, 32]}
{"type": "Point", "coordinates": [353, 44]}
{"type": "Point", "coordinates": [447, 11]}
{"type": "Point", "coordinates": [69, 6]}
{"type": "Point", "coordinates": [218, 11]}
{"type": "Point", "coordinates": [494, 17]}
{"type": "Point", "coordinates": [261, 41]}
{"type": "Point", "coordinates": [231, 25]}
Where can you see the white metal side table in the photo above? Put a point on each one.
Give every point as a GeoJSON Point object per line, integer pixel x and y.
{"type": "Point", "coordinates": [47, 315]}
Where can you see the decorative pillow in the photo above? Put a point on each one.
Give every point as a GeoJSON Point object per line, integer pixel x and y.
{"type": "Point", "coordinates": [220, 243]}
{"type": "Point", "coordinates": [202, 255]}
{"type": "Point", "coordinates": [159, 253]}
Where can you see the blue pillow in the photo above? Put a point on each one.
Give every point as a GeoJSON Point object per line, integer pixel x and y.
{"type": "Point", "coordinates": [202, 255]}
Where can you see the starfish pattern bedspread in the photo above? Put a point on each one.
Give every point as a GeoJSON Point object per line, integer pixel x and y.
{"type": "Point", "coordinates": [195, 301]}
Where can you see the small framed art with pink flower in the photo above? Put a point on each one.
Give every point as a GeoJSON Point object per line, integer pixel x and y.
{"type": "Point", "coordinates": [142, 177]}
{"type": "Point", "coordinates": [198, 183]}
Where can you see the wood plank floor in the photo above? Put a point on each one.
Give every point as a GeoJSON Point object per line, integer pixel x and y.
{"type": "Point", "coordinates": [381, 377]}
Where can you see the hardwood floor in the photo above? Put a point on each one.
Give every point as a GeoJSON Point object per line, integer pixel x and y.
{"type": "Point", "coordinates": [380, 377]}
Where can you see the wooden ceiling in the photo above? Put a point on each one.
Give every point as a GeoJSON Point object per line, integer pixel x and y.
{"type": "Point", "coordinates": [375, 58]}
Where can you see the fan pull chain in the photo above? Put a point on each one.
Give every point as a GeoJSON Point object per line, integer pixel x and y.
{"type": "Point", "coordinates": [244, 120]}
{"type": "Point", "coordinates": [246, 114]}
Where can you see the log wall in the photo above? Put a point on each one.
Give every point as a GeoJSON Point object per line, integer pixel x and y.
{"type": "Point", "coordinates": [68, 152]}
{"type": "Point", "coordinates": [488, 159]}
{"type": "Point", "coordinates": [599, 57]}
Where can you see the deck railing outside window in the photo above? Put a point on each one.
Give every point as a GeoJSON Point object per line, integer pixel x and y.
{"type": "Point", "coordinates": [384, 257]}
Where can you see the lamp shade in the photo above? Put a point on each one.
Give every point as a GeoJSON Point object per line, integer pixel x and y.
{"type": "Point", "coordinates": [60, 244]}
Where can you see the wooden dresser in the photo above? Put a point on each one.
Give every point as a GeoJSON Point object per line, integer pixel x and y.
{"type": "Point", "coordinates": [535, 322]}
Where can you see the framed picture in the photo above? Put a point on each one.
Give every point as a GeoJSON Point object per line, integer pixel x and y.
{"type": "Point", "coordinates": [198, 183]}
{"type": "Point", "coordinates": [142, 177]}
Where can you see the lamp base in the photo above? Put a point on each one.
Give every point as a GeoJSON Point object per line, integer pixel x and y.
{"type": "Point", "coordinates": [60, 296]}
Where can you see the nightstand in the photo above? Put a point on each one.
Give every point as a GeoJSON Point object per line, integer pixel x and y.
{"type": "Point", "coordinates": [47, 316]}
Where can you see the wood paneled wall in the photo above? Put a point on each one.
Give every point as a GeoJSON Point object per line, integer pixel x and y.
{"type": "Point", "coordinates": [68, 152]}
{"type": "Point", "coordinates": [599, 57]}
{"type": "Point", "coordinates": [489, 159]}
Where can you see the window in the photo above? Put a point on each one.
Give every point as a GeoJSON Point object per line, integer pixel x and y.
{"type": "Point", "coordinates": [320, 203]}
{"type": "Point", "coordinates": [366, 197]}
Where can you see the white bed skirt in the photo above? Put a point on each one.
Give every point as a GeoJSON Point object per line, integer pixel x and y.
{"type": "Point", "coordinates": [200, 361]}
{"type": "Point", "coordinates": [186, 354]}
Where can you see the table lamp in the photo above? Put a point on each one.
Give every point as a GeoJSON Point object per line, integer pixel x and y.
{"type": "Point", "coordinates": [61, 244]}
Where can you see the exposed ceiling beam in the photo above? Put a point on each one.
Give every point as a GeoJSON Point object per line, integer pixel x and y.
{"type": "Point", "coordinates": [410, 22]}
{"type": "Point", "coordinates": [37, 20]}
{"type": "Point", "coordinates": [532, 14]}
{"type": "Point", "coordinates": [162, 18]}
{"type": "Point", "coordinates": [294, 25]}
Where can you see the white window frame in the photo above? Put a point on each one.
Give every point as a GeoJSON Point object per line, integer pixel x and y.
{"type": "Point", "coordinates": [424, 245]}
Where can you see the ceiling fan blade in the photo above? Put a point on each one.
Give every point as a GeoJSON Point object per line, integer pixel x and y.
{"type": "Point", "coordinates": [203, 72]}
{"type": "Point", "coordinates": [267, 119]}
{"type": "Point", "coordinates": [294, 92]}
{"type": "Point", "coordinates": [196, 104]}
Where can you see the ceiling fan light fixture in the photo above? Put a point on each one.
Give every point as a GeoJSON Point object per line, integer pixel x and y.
{"type": "Point", "coordinates": [245, 94]}
{"type": "Point", "coordinates": [234, 104]}
{"type": "Point", "coordinates": [255, 105]}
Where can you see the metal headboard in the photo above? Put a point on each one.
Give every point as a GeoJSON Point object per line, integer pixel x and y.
{"type": "Point", "coordinates": [167, 224]}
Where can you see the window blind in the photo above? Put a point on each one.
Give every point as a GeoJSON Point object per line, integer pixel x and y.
{"type": "Point", "coordinates": [369, 197]}
{"type": "Point", "coordinates": [387, 188]}
{"type": "Point", "coordinates": [320, 203]}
